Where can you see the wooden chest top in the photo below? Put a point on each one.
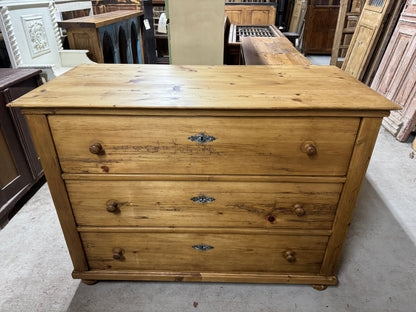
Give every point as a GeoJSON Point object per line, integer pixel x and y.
{"type": "Point", "coordinates": [123, 86]}
{"type": "Point", "coordinates": [99, 20]}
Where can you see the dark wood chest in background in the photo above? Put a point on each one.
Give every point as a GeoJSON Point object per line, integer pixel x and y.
{"type": "Point", "coordinates": [20, 167]}
{"type": "Point", "coordinates": [320, 23]}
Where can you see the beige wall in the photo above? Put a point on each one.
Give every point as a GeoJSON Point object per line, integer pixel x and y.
{"type": "Point", "coordinates": [196, 32]}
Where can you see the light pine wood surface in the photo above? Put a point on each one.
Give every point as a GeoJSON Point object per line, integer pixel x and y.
{"type": "Point", "coordinates": [232, 204]}
{"type": "Point", "coordinates": [271, 51]}
{"type": "Point", "coordinates": [230, 253]}
{"type": "Point", "coordinates": [153, 144]}
{"type": "Point", "coordinates": [100, 20]}
{"type": "Point", "coordinates": [139, 199]}
{"type": "Point", "coordinates": [206, 87]}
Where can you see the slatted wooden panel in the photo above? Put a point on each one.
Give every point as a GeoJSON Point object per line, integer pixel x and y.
{"type": "Point", "coordinates": [251, 14]}
{"type": "Point", "coordinates": [396, 76]}
{"type": "Point", "coordinates": [349, 13]}
{"type": "Point", "coordinates": [366, 36]}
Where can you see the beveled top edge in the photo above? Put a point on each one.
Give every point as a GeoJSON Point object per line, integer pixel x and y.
{"type": "Point", "coordinates": [178, 87]}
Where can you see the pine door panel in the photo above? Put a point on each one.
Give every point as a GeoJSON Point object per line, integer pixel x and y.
{"type": "Point", "coordinates": [365, 36]}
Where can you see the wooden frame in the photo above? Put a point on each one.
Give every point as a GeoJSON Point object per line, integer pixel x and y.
{"type": "Point", "coordinates": [358, 121]}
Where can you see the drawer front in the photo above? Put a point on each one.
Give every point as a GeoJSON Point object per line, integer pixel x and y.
{"type": "Point", "coordinates": [206, 204]}
{"type": "Point", "coordinates": [204, 145]}
{"type": "Point", "coordinates": [186, 252]}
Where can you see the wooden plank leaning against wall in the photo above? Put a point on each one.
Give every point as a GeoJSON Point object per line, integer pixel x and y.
{"type": "Point", "coordinates": [371, 34]}
{"type": "Point", "coordinates": [349, 13]}
{"type": "Point", "coordinates": [396, 77]}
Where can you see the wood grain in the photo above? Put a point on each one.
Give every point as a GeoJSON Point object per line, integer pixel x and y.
{"type": "Point", "coordinates": [396, 79]}
{"type": "Point", "coordinates": [231, 253]}
{"type": "Point", "coordinates": [360, 159]}
{"type": "Point", "coordinates": [235, 204]}
{"type": "Point", "coordinates": [251, 14]}
{"type": "Point", "coordinates": [44, 145]}
{"type": "Point", "coordinates": [365, 37]}
{"type": "Point", "coordinates": [198, 177]}
{"type": "Point", "coordinates": [240, 277]}
{"type": "Point", "coordinates": [99, 20]}
{"type": "Point", "coordinates": [271, 51]}
{"type": "Point", "coordinates": [271, 87]}
{"type": "Point", "coordinates": [153, 144]}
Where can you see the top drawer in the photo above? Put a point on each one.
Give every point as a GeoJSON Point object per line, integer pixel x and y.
{"type": "Point", "coordinates": [204, 145]}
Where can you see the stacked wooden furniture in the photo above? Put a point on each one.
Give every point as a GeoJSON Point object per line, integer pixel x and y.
{"type": "Point", "coordinates": [237, 32]}
{"type": "Point", "coordinates": [20, 167]}
{"type": "Point", "coordinates": [113, 37]}
{"type": "Point", "coordinates": [205, 173]}
{"type": "Point", "coordinates": [270, 51]}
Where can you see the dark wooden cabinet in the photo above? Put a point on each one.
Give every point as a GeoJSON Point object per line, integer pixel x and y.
{"type": "Point", "coordinates": [20, 167]}
{"type": "Point", "coordinates": [320, 24]}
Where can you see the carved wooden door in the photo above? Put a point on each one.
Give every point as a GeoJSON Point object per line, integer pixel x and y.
{"type": "Point", "coordinates": [396, 76]}
{"type": "Point", "coordinates": [320, 23]}
{"type": "Point", "coordinates": [365, 36]}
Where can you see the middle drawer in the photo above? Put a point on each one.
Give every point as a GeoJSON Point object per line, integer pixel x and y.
{"type": "Point", "coordinates": [204, 203]}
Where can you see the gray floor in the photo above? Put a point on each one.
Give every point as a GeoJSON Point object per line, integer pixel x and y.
{"type": "Point", "coordinates": [377, 271]}
{"type": "Point", "coordinates": [319, 59]}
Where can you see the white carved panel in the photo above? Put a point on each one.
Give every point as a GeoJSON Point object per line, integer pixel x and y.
{"type": "Point", "coordinates": [36, 37]}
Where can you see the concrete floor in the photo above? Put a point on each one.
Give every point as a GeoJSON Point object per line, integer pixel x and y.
{"type": "Point", "coordinates": [377, 272]}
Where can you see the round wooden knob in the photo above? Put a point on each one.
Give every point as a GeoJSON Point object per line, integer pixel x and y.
{"type": "Point", "coordinates": [96, 148]}
{"type": "Point", "coordinates": [290, 256]}
{"type": "Point", "coordinates": [310, 149]}
{"type": "Point", "coordinates": [112, 206]}
{"type": "Point", "coordinates": [299, 211]}
{"type": "Point", "coordinates": [117, 253]}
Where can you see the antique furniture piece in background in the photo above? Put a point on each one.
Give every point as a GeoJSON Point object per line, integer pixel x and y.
{"type": "Point", "coordinates": [366, 36]}
{"type": "Point", "coordinates": [298, 16]}
{"type": "Point", "coordinates": [236, 32]}
{"type": "Point", "coordinates": [270, 51]}
{"type": "Point", "coordinates": [396, 76]}
{"type": "Point", "coordinates": [33, 39]}
{"type": "Point", "coordinates": [251, 13]}
{"type": "Point", "coordinates": [68, 9]}
{"type": "Point", "coordinates": [320, 23]}
{"type": "Point", "coordinates": [161, 38]}
{"type": "Point", "coordinates": [105, 6]}
{"type": "Point", "coordinates": [205, 173]}
{"type": "Point", "coordinates": [348, 16]}
{"type": "Point", "coordinates": [20, 166]}
{"type": "Point", "coordinates": [113, 37]}
{"type": "Point", "coordinates": [196, 32]}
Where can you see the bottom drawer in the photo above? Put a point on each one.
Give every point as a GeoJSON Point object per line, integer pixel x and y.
{"type": "Point", "coordinates": [194, 252]}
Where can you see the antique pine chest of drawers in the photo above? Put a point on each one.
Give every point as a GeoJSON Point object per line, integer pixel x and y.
{"type": "Point", "coordinates": [198, 173]}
